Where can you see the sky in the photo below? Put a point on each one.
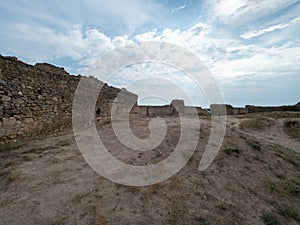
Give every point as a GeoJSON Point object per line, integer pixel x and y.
{"type": "Point", "coordinates": [251, 47]}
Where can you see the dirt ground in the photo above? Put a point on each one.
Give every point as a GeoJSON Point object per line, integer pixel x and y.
{"type": "Point", "coordinates": [255, 179]}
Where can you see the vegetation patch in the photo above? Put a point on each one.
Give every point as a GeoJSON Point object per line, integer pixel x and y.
{"type": "Point", "coordinates": [232, 151]}
{"type": "Point", "coordinates": [10, 146]}
{"type": "Point", "coordinates": [270, 219]}
{"type": "Point", "coordinates": [288, 212]}
{"type": "Point", "coordinates": [280, 176]}
{"type": "Point", "coordinates": [254, 144]}
{"type": "Point", "coordinates": [291, 127]}
{"type": "Point", "coordinates": [285, 187]}
{"type": "Point", "coordinates": [256, 123]}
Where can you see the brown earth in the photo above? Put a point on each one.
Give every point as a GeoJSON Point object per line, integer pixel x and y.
{"type": "Point", "coordinates": [255, 179]}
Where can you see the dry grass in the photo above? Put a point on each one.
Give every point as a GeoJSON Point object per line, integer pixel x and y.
{"type": "Point", "coordinates": [10, 146]}
{"type": "Point", "coordinates": [285, 187]}
{"type": "Point", "coordinates": [232, 151]}
{"type": "Point", "coordinates": [254, 144]}
{"type": "Point", "coordinates": [256, 123]}
{"type": "Point", "coordinates": [292, 128]}
{"type": "Point", "coordinates": [104, 120]}
{"type": "Point", "coordinates": [270, 219]}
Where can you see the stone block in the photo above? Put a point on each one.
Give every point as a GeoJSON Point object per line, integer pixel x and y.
{"type": "Point", "coordinates": [5, 98]}
{"type": "Point", "coordinates": [28, 120]}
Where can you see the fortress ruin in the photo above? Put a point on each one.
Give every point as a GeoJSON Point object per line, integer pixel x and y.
{"type": "Point", "coordinates": [37, 100]}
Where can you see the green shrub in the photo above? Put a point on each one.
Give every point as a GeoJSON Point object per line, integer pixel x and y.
{"type": "Point", "coordinates": [287, 212]}
{"type": "Point", "coordinates": [231, 151]}
{"type": "Point", "coordinates": [255, 145]}
{"type": "Point", "coordinates": [270, 219]}
{"type": "Point", "coordinates": [10, 146]}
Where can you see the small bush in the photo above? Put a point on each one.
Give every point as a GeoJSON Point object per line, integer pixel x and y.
{"type": "Point", "coordinates": [287, 212]}
{"type": "Point", "coordinates": [280, 176]}
{"type": "Point", "coordinates": [10, 146]}
{"type": "Point", "coordinates": [291, 123]}
{"type": "Point", "coordinates": [270, 219]}
{"type": "Point", "coordinates": [255, 145]}
{"type": "Point", "coordinates": [285, 187]}
{"type": "Point", "coordinates": [291, 127]}
{"type": "Point", "coordinates": [231, 151]}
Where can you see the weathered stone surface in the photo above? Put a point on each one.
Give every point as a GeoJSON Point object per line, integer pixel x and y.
{"type": "Point", "coordinates": [161, 110]}
{"type": "Point", "coordinates": [37, 99]}
{"type": "Point", "coordinates": [12, 121]}
{"type": "Point", "coordinates": [28, 120]}
{"type": "Point", "coordinates": [178, 105]}
{"type": "Point", "coordinates": [5, 98]}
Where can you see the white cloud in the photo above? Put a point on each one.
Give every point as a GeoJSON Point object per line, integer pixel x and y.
{"type": "Point", "coordinates": [225, 57]}
{"type": "Point", "coordinates": [251, 34]}
{"type": "Point", "coordinates": [238, 12]}
{"type": "Point", "coordinates": [256, 33]}
{"type": "Point", "coordinates": [178, 8]}
{"type": "Point", "coordinates": [119, 16]}
{"type": "Point", "coordinates": [230, 58]}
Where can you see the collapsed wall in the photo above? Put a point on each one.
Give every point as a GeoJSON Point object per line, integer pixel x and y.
{"type": "Point", "coordinates": [38, 99]}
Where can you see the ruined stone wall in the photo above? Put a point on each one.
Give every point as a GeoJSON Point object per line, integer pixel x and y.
{"type": "Point", "coordinates": [220, 109]}
{"type": "Point", "coordinates": [38, 99]}
{"type": "Point", "coordinates": [260, 109]}
{"type": "Point", "coordinates": [170, 110]}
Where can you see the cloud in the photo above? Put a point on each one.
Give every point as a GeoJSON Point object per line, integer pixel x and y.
{"type": "Point", "coordinates": [236, 39]}
{"type": "Point", "coordinates": [225, 57]}
{"type": "Point", "coordinates": [178, 8]}
{"type": "Point", "coordinates": [256, 33]}
{"type": "Point", "coordinates": [239, 12]}
{"type": "Point", "coordinates": [126, 16]}
{"type": "Point", "coordinates": [251, 34]}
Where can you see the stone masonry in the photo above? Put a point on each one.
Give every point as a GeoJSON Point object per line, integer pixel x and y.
{"type": "Point", "coordinates": [38, 99]}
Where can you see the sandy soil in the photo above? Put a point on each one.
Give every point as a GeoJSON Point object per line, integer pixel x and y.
{"type": "Point", "coordinates": [254, 179]}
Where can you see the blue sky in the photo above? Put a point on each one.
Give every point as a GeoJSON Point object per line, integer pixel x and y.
{"type": "Point", "coordinates": [251, 47]}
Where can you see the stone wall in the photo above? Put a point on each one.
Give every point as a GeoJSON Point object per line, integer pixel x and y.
{"type": "Point", "coordinates": [38, 99]}
{"type": "Point", "coordinates": [222, 109]}
{"type": "Point", "coordinates": [170, 110]}
{"type": "Point", "coordinates": [260, 109]}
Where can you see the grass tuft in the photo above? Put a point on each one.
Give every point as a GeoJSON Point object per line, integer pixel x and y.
{"type": "Point", "coordinates": [270, 219]}
{"type": "Point", "coordinates": [288, 212]}
{"type": "Point", "coordinates": [10, 146]}
{"type": "Point", "coordinates": [232, 151]}
{"type": "Point", "coordinates": [254, 144]}
{"type": "Point", "coordinates": [291, 127]}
